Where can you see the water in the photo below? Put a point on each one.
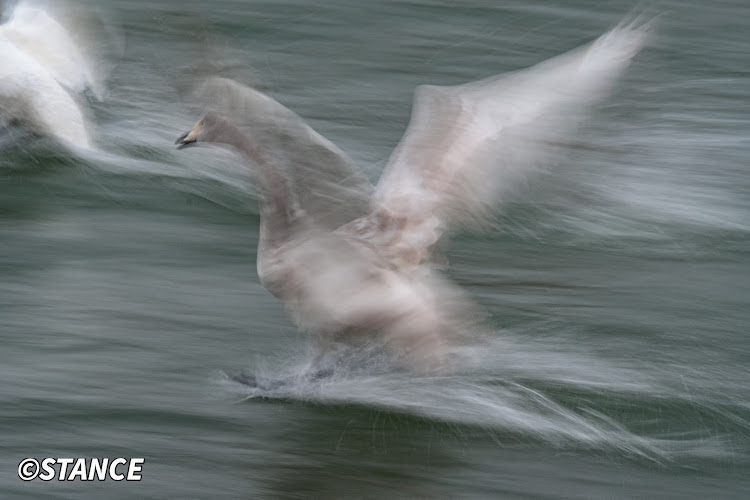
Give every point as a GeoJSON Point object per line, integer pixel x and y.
{"type": "Point", "coordinates": [617, 280]}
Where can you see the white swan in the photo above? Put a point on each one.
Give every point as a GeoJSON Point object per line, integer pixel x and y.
{"type": "Point", "coordinates": [42, 70]}
{"type": "Point", "coordinates": [353, 263]}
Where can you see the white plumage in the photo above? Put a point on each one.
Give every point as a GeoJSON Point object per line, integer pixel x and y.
{"type": "Point", "coordinates": [43, 71]}
{"type": "Point", "coordinates": [365, 272]}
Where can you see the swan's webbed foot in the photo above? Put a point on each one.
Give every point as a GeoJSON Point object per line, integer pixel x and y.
{"type": "Point", "coordinates": [255, 382]}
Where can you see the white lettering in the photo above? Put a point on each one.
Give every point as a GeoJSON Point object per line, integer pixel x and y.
{"type": "Point", "coordinates": [113, 469]}
{"type": "Point", "coordinates": [48, 466]}
{"type": "Point", "coordinates": [98, 466]}
{"type": "Point", "coordinates": [135, 466]}
{"type": "Point", "coordinates": [82, 469]}
{"type": "Point", "coordinates": [64, 462]}
{"type": "Point", "coordinates": [79, 470]}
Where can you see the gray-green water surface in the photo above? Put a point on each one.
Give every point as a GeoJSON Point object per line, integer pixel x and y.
{"type": "Point", "coordinates": [618, 281]}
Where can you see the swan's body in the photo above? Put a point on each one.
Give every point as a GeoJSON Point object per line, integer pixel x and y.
{"type": "Point", "coordinates": [367, 273]}
{"type": "Point", "coordinates": [42, 72]}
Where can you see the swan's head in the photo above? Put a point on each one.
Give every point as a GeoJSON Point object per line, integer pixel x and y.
{"type": "Point", "coordinates": [210, 128]}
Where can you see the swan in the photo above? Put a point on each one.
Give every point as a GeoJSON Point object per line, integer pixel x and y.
{"type": "Point", "coordinates": [352, 262]}
{"type": "Point", "coordinates": [43, 70]}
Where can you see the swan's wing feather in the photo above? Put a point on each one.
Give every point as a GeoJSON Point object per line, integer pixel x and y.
{"type": "Point", "coordinates": [77, 44]}
{"type": "Point", "coordinates": [30, 96]}
{"type": "Point", "coordinates": [329, 189]}
{"type": "Point", "coordinates": [41, 36]}
{"type": "Point", "coordinates": [464, 142]}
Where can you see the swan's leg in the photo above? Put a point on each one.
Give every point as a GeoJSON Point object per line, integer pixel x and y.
{"type": "Point", "coordinates": [325, 353]}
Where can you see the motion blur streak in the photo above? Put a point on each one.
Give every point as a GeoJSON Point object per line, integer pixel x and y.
{"type": "Point", "coordinates": [616, 281]}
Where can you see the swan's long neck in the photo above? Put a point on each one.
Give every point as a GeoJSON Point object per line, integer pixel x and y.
{"type": "Point", "coordinates": [277, 206]}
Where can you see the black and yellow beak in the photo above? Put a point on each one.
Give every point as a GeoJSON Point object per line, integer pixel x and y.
{"type": "Point", "coordinates": [183, 141]}
{"type": "Point", "coordinates": [189, 138]}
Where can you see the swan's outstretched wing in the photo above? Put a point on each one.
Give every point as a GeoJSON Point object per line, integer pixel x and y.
{"type": "Point", "coordinates": [463, 142]}
{"type": "Point", "coordinates": [328, 188]}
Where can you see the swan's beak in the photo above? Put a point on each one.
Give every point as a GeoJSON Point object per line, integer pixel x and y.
{"type": "Point", "coordinates": [184, 141]}
{"type": "Point", "coordinates": [188, 138]}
